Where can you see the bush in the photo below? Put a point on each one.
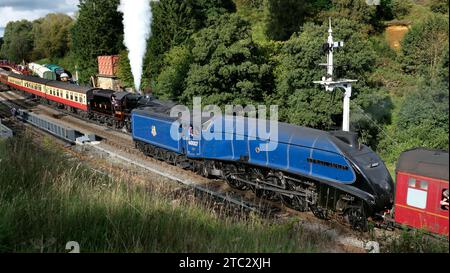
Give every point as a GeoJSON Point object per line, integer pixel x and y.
{"type": "Point", "coordinates": [439, 6]}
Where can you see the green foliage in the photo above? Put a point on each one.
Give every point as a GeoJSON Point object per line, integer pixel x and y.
{"type": "Point", "coordinates": [299, 68]}
{"type": "Point", "coordinates": [369, 16]}
{"type": "Point", "coordinates": [370, 112]}
{"type": "Point", "coordinates": [426, 106]}
{"type": "Point", "coordinates": [355, 10]}
{"type": "Point", "coordinates": [425, 47]}
{"type": "Point", "coordinates": [97, 31]}
{"type": "Point", "coordinates": [174, 21]}
{"type": "Point", "coordinates": [47, 199]}
{"type": "Point", "coordinates": [285, 17]}
{"type": "Point", "coordinates": [253, 4]}
{"type": "Point", "coordinates": [18, 41]}
{"type": "Point", "coordinates": [391, 9]}
{"type": "Point", "coordinates": [415, 241]}
{"type": "Point", "coordinates": [421, 121]}
{"type": "Point", "coordinates": [401, 8]}
{"type": "Point", "coordinates": [227, 66]}
{"type": "Point", "coordinates": [51, 36]}
{"type": "Point", "coordinates": [171, 82]}
{"type": "Point", "coordinates": [314, 108]}
{"type": "Point", "coordinates": [439, 6]}
{"type": "Point", "coordinates": [124, 69]}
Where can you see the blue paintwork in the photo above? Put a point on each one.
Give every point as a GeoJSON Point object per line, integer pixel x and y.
{"type": "Point", "coordinates": [156, 131]}
{"type": "Point", "coordinates": [294, 146]}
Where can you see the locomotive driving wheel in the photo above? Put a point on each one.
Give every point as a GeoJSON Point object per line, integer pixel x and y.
{"type": "Point", "coordinates": [235, 184]}
{"type": "Point", "coordinates": [356, 217]}
{"type": "Point", "coordinates": [263, 193]}
{"type": "Point", "coordinates": [295, 202]}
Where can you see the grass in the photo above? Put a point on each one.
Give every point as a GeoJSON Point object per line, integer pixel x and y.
{"type": "Point", "coordinates": [47, 200]}
{"type": "Point", "coordinates": [416, 242]}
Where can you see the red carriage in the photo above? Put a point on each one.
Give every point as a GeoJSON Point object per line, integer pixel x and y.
{"type": "Point", "coordinates": [421, 199]}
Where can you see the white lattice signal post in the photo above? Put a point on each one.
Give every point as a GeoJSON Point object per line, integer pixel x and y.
{"type": "Point", "coordinates": [330, 84]}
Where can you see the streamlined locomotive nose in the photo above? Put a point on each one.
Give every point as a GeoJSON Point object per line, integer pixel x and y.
{"type": "Point", "coordinates": [382, 184]}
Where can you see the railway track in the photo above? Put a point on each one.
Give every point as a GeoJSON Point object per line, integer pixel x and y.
{"type": "Point", "coordinates": [217, 189]}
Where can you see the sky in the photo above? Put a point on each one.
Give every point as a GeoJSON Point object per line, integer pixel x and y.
{"type": "Point", "coordinates": [13, 10]}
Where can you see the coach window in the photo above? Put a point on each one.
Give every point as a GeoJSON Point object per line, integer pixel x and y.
{"type": "Point", "coordinates": [424, 185]}
{"type": "Point", "coordinates": [444, 199]}
{"type": "Point", "coordinates": [417, 193]}
{"type": "Point", "coordinates": [76, 98]}
{"type": "Point", "coordinates": [411, 182]}
{"type": "Point", "coordinates": [71, 96]}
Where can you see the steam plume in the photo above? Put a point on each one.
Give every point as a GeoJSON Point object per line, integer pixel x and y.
{"type": "Point", "coordinates": [137, 18]}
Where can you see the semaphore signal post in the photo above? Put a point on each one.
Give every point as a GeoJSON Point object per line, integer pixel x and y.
{"type": "Point", "coordinates": [331, 84]}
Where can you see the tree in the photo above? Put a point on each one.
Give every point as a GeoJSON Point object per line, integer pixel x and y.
{"type": "Point", "coordinates": [422, 122]}
{"type": "Point", "coordinates": [301, 101]}
{"type": "Point", "coordinates": [124, 71]}
{"type": "Point", "coordinates": [51, 36]}
{"type": "Point", "coordinates": [174, 21]}
{"type": "Point", "coordinates": [171, 83]}
{"type": "Point", "coordinates": [285, 17]}
{"type": "Point", "coordinates": [97, 31]}
{"type": "Point", "coordinates": [428, 104]}
{"type": "Point", "coordinates": [425, 47]}
{"type": "Point", "coordinates": [369, 17]}
{"type": "Point", "coordinates": [256, 4]}
{"type": "Point", "coordinates": [18, 41]}
{"type": "Point", "coordinates": [1, 43]}
{"type": "Point", "coordinates": [227, 66]}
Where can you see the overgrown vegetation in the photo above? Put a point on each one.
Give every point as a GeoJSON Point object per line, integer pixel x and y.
{"type": "Point", "coordinates": [268, 52]}
{"type": "Point", "coordinates": [47, 200]}
{"type": "Point", "coordinates": [417, 241]}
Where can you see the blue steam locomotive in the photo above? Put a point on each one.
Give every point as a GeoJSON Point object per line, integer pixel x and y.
{"type": "Point", "coordinates": [329, 173]}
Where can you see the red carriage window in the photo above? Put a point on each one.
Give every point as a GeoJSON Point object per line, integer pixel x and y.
{"type": "Point", "coordinates": [424, 185]}
{"type": "Point", "coordinates": [411, 182]}
{"type": "Point", "coordinates": [417, 194]}
{"type": "Point", "coordinates": [444, 199]}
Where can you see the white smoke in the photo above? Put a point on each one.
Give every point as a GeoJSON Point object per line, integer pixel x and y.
{"type": "Point", "coordinates": [137, 18]}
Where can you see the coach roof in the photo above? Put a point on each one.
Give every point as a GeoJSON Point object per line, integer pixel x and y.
{"type": "Point", "coordinates": [70, 87]}
{"type": "Point", "coordinates": [425, 162]}
{"type": "Point", "coordinates": [29, 78]}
